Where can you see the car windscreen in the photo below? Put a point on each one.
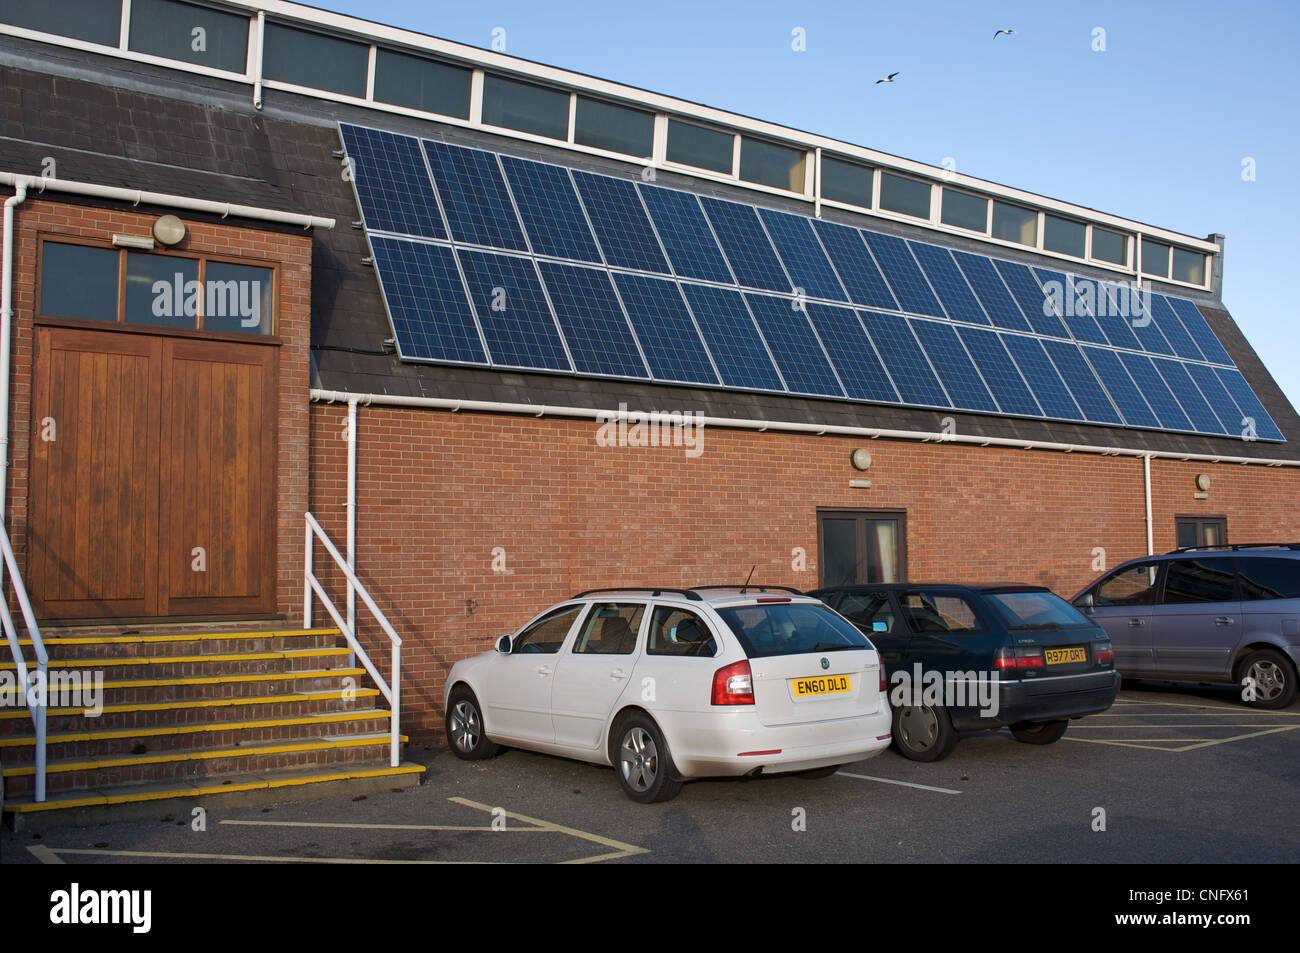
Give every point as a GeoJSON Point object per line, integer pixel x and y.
{"type": "Point", "coordinates": [1036, 610]}
{"type": "Point", "coordinates": [769, 629]}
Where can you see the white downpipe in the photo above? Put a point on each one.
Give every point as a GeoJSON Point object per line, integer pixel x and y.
{"type": "Point", "coordinates": [351, 505]}
{"type": "Point", "coordinates": [1146, 473]}
{"type": "Point", "coordinates": [740, 423]}
{"type": "Point", "coordinates": [6, 337]}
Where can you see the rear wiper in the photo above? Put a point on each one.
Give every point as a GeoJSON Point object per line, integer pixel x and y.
{"type": "Point", "coordinates": [835, 646]}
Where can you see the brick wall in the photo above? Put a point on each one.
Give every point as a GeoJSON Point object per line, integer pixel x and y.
{"type": "Point", "coordinates": [37, 218]}
{"type": "Point", "coordinates": [438, 492]}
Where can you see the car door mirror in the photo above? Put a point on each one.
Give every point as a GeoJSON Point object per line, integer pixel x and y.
{"type": "Point", "coordinates": [503, 645]}
{"type": "Point", "coordinates": [1089, 603]}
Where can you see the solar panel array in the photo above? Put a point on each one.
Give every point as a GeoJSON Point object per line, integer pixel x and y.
{"type": "Point", "coordinates": [500, 261]}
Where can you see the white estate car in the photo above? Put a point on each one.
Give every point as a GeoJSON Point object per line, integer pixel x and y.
{"type": "Point", "coordinates": [671, 684]}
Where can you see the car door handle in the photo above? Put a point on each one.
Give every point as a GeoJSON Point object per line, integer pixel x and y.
{"type": "Point", "coordinates": [1137, 622]}
{"type": "Point", "coordinates": [617, 674]}
{"type": "Point", "coordinates": [1223, 620]}
{"type": "Point", "coordinates": [544, 670]}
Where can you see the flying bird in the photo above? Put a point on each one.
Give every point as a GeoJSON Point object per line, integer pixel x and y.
{"type": "Point", "coordinates": [1000, 32]}
{"type": "Point", "coordinates": [887, 79]}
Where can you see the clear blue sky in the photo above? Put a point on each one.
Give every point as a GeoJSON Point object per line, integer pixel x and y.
{"type": "Point", "coordinates": [1155, 128]}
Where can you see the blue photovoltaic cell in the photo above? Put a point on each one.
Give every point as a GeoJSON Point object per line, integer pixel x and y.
{"type": "Point", "coordinates": [903, 274]}
{"type": "Point", "coordinates": [426, 300]}
{"type": "Point", "coordinates": [732, 338]}
{"type": "Point", "coordinates": [512, 311]}
{"type": "Point", "coordinates": [903, 357]}
{"type": "Point", "coordinates": [999, 372]}
{"type": "Point", "coordinates": [852, 353]}
{"type": "Point", "coordinates": [1199, 329]}
{"type": "Point", "coordinates": [669, 339]}
{"type": "Point", "coordinates": [949, 283]}
{"type": "Point", "coordinates": [392, 183]}
{"type": "Point", "coordinates": [857, 269]}
{"type": "Point", "coordinates": [956, 370]}
{"type": "Point", "coordinates": [1121, 388]}
{"type": "Point", "coordinates": [1204, 419]}
{"type": "Point", "coordinates": [1132, 308]}
{"type": "Point", "coordinates": [1157, 393]}
{"type": "Point", "coordinates": [796, 349]}
{"type": "Point", "coordinates": [685, 233]}
{"type": "Point", "coordinates": [1031, 298]}
{"type": "Point", "coordinates": [1217, 396]}
{"type": "Point", "coordinates": [1117, 330]}
{"type": "Point", "coordinates": [550, 209]}
{"type": "Point", "coordinates": [1078, 376]}
{"type": "Point", "coordinates": [1173, 330]}
{"type": "Point", "coordinates": [1042, 377]}
{"type": "Point", "coordinates": [474, 196]}
{"type": "Point", "coordinates": [1250, 406]}
{"type": "Point", "coordinates": [599, 339]}
{"type": "Point", "coordinates": [746, 245]}
{"type": "Point", "coordinates": [805, 262]}
{"type": "Point", "coordinates": [1078, 317]}
{"type": "Point", "coordinates": [991, 291]}
{"type": "Point", "coordinates": [622, 226]}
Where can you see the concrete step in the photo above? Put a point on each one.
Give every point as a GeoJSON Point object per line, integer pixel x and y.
{"type": "Point", "coordinates": [117, 668]}
{"type": "Point", "coordinates": [82, 645]}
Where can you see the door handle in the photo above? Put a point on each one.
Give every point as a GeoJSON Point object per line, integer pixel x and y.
{"type": "Point", "coordinates": [1137, 622]}
{"type": "Point", "coordinates": [1223, 620]}
{"type": "Point", "coordinates": [617, 674]}
{"type": "Point", "coordinates": [544, 670]}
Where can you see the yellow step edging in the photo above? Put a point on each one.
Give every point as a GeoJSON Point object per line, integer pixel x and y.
{"type": "Point", "coordinates": [204, 636]}
{"type": "Point", "coordinates": [114, 661]}
{"type": "Point", "coordinates": [218, 679]}
{"type": "Point", "coordinates": [184, 703]}
{"type": "Point", "coordinates": [21, 741]}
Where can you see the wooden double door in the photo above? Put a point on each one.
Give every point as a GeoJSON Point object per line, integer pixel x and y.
{"type": "Point", "coordinates": [152, 476]}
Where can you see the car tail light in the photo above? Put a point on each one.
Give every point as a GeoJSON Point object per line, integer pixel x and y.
{"type": "Point", "coordinates": [1103, 653]}
{"type": "Point", "coordinates": [884, 679]}
{"type": "Point", "coordinates": [773, 599]}
{"type": "Point", "coordinates": [734, 684]}
{"type": "Point", "coordinates": [1020, 657]}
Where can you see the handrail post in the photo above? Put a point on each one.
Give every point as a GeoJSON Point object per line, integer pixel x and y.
{"type": "Point", "coordinates": [39, 721]}
{"type": "Point", "coordinates": [306, 578]}
{"type": "Point", "coordinates": [394, 727]}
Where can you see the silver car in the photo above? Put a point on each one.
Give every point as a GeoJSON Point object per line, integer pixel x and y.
{"type": "Point", "coordinates": [1227, 614]}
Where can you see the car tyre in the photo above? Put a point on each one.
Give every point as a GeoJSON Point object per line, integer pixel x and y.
{"type": "Point", "coordinates": [642, 760]}
{"type": "Point", "coordinates": [1274, 677]}
{"type": "Point", "coordinates": [923, 733]}
{"type": "Point", "coordinates": [1040, 732]}
{"type": "Point", "coordinates": [466, 735]}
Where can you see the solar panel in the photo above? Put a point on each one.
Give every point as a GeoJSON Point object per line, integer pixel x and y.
{"type": "Point", "coordinates": [1173, 329]}
{"type": "Point", "coordinates": [794, 346]}
{"type": "Point", "coordinates": [747, 248]}
{"type": "Point", "coordinates": [1084, 386]}
{"type": "Point", "coordinates": [1134, 309]}
{"type": "Point", "coordinates": [732, 338]}
{"type": "Point", "coordinates": [1203, 418]}
{"type": "Point", "coordinates": [591, 318]}
{"type": "Point", "coordinates": [956, 370]}
{"type": "Point", "coordinates": [1157, 393]}
{"type": "Point", "coordinates": [621, 223]}
{"type": "Point", "coordinates": [1199, 329]}
{"type": "Point", "coordinates": [805, 262]}
{"type": "Point", "coordinates": [902, 355]}
{"type": "Point", "coordinates": [1117, 330]}
{"type": "Point", "coordinates": [474, 196]}
{"type": "Point", "coordinates": [669, 338]}
{"type": "Point", "coordinates": [999, 372]}
{"type": "Point", "coordinates": [1217, 396]}
{"type": "Point", "coordinates": [853, 262]}
{"type": "Point", "coordinates": [992, 291]}
{"type": "Point", "coordinates": [552, 215]}
{"type": "Point", "coordinates": [392, 183]}
{"type": "Point", "coordinates": [949, 283]}
{"type": "Point", "coordinates": [1123, 392]}
{"type": "Point", "coordinates": [686, 235]}
{"type": "Point", "coordinates": [426, 299]}
{"type": "Point", "coordinates": [903, 274]}
{"type": "Point", "coordinates": [512, 311]}
{"type": "Point", "coordinates": [1042, 377]}
{"type": "Point", "coordinates": [1251, 408]}
{"type": "Point", "coordinates": [852, 353]}
{"type": "Point", "coordinates": [1033, 301]}
{"type": "Point", "coordinates": [1078, 318]}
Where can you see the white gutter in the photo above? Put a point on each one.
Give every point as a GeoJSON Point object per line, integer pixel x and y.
{"type": "Point", "coordinates": [739, 423]}
{"type": "Point", "coordinates": [138, 197]}
{"type": "Point", "coordinates": [6, 334]}
{"type": "Point", "coordinates": [1146, 477]}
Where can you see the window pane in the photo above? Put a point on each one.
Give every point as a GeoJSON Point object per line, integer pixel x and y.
{"type": "Point", "coordinates": [866, 611]}
{"type": "Point", "coordinates": [547, 634]}
{"type": "Point", "coordinates": [839, 552]}
{"type": "Point", "coordinates": [908, 196]}
{"type": "Point", "coordinates": [168, 28]}
{"type": "Point", "coordinates": [703, 148]}
{"type": "Point", "coordinates": [315, 60]}
{"type": "Point", "coordinates": [418, 83]}
{"type": "Point", "coordinates": [1189, 266]}
{"type": "Point", "coordinates": [938, 612]}
{"type": "Point", "coordinates": [679, 632]}
{"type": "Point", "coordinates": [611, 629]}
{"type": "Point", "coordinates": [846, 182]}
{"type": "Point", "coordinates": [1269, 578]}
{"type": "Point", "coordinates": [162, 290]}
{"type": "Point", "coordinates": [78, 282]}
{"type": "Point", "coordinates": [1015, 224]}
{"type": "Point", "coordinates": [778, 166]}
{"type": "Point", "coordinates": [237, 298]}
{"type": "Point", "coordinates": [95, 21]}
{"type": "Point", "coordinates": [1064, 236]}
{"type": "Point", "coordinates": [1187, 535]}
{"type": "Point", "coordinates": [528, 108]}
{"type": "Point", "coordinates": [1109, 246]}
{"type": "Point", "coordinates": [965, 211]}
{"type": "Point", "coordinates": [1199, 580]}
{"type": "Point", "coordinates": [882, 551]}
{"type": "Point", "coordinates": [1134, 586]}
{"type": "Point", "coordinates": [616, 128]}
{"type": "Point", "coordinates": [789, 629]}
{"type": "Point", "coordinates": [1155, 258]}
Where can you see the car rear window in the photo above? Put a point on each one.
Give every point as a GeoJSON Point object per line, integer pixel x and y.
{"type": "Point", "coordinates": [1036, 610]}
{"type": "Point", "coordinates": [1269, 578]}
{"type": "Point", "coordinates": [770, 629]}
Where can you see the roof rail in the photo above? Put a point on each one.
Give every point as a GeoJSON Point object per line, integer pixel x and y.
{"type": "Point", "coordinates": [653, 590]}
{"type": "Point", "coordinates": [1234, 547]}
{"type": "Point", "coordinates": [754, 586]}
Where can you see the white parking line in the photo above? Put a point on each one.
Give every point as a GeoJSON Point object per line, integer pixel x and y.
{"type": "Point", "coordinates": [906, 784]}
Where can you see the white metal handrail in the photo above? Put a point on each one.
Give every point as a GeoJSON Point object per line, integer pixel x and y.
{"type": "Point", "coordinates": [391, 689]}
{"type": "Point", "coordinates": [37, 701]}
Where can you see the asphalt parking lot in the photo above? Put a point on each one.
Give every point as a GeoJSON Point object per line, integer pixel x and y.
{"type": "Point", "coordinates": [1183, 775]}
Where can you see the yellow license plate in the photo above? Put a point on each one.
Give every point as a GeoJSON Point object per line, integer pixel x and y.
{"type": "Point", "coordinates": [825, 685]}
{"type": "Point", "coordinates": [1065, 656]}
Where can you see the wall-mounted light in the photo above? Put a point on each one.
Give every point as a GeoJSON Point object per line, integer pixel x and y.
{"type": "Point", "coordinates": [1202, 481]}
{"type": "Point", "coordinates": [169, 230]}
{"type": "Point", "coordinates": [861, 459]}
{"type": "Point", "coordinates": [133, 241]}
